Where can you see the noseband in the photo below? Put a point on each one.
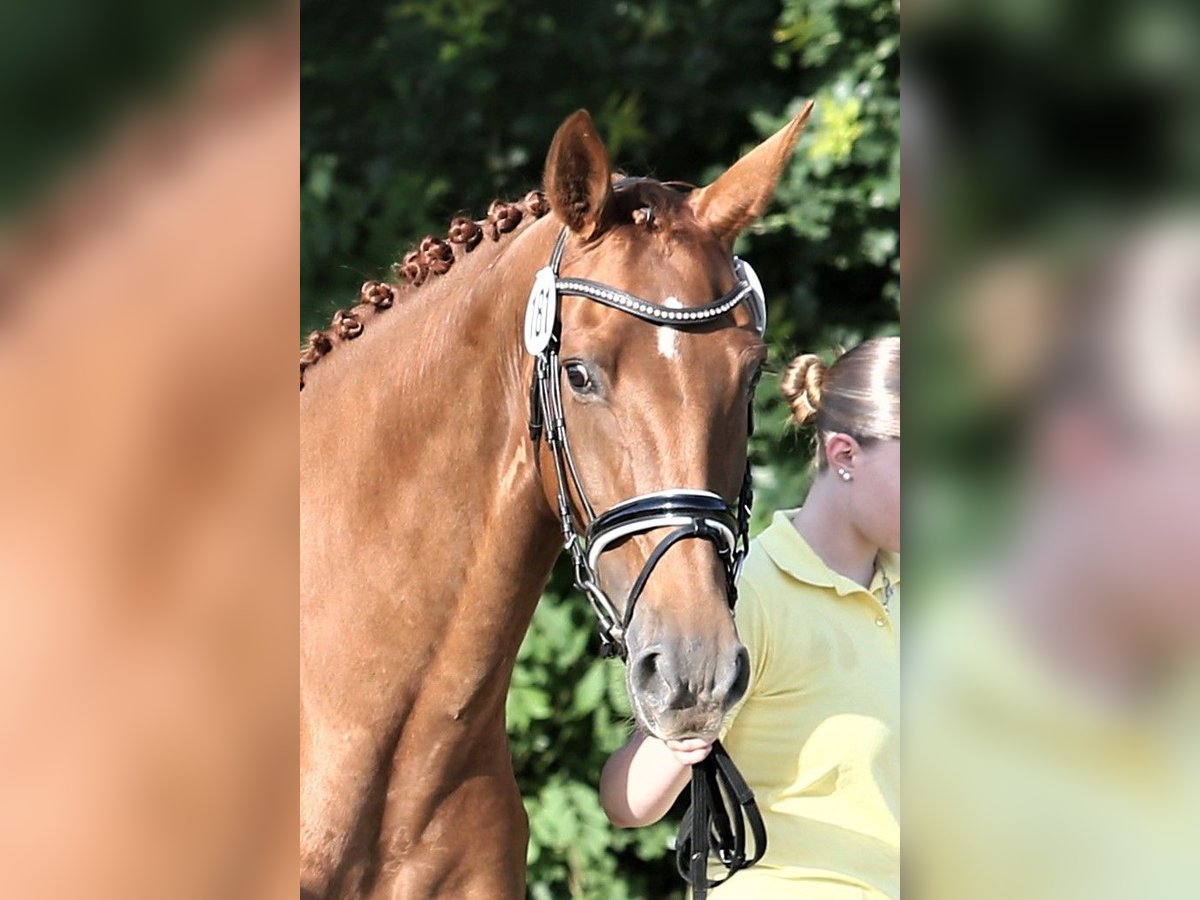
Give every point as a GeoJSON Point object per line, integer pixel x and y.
{"type": "Point", "coordinates": [691, 513]}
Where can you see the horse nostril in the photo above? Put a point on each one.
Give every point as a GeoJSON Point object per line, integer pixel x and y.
{"type": "Point", "coordinates": [645, 669]}
{"type": "Point", "coordinates": [735, 685]}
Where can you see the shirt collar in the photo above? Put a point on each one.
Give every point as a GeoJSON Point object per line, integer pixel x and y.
{"type": "Point", "coordinates": [790, 552]}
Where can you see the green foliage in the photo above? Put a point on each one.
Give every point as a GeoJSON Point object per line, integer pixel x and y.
{"type": "Point", "coordinates": [416, 110]}
{"type": "Point", "coordinates": [567, 710]}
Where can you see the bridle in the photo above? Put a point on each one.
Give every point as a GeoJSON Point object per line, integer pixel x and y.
{"type": "Point", "coordinates": [692, 514]}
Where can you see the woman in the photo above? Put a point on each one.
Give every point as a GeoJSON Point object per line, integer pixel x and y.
{"type": "Point", "coordinates": [816, 735]}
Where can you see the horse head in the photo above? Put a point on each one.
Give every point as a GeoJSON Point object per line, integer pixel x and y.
{"type": "Point", "coordinates": [654, 405]}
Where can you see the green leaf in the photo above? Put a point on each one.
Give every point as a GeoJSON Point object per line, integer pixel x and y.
{"type": "Point", "coordinates": [589, 690]}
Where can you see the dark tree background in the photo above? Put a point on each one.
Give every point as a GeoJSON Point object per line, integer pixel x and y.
{"type": "Point", "coordinates": [416, 110]}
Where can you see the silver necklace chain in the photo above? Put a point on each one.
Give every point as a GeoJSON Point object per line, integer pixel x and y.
{"type": "Point", "coordinates": [888, 590]}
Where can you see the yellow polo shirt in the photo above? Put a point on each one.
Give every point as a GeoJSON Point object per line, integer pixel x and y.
{"type": "Point", "coordinates": [1026, 786]}
{"type": "Point", "coordinates": [817, 735]}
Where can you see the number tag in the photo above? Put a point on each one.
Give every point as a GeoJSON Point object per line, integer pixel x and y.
{"type": "Point", "coordinates": [540, 314]}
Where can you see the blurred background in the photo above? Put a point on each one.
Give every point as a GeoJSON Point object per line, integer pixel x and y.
{"type": "Point", "coordinates": [69, 70]}
{"type": "Point", "coordinates": [416, 110]}
{"type": "Point", "coordinates": [1051, 154]}
{"type": "Point", "coordinates": [149, 266]}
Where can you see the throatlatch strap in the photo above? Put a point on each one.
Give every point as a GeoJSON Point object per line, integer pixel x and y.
{"type": "Point", "coordinates": [722, 805]}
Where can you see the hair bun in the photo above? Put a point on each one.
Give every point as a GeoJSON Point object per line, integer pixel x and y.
{"type": "Point", "coordinates": [801, 386]}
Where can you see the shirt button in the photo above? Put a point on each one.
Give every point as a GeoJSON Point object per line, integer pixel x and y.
{"type": "Point", "coordinates": [880, 621]}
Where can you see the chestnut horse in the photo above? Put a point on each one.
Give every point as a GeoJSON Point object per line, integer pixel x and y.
{"type": "Point", "coordinates": [430, 518]}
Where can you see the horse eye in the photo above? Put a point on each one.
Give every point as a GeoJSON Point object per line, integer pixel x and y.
{"type": "Point", "coordinates": [754, 379]}
{"type": "Point", "coordinates": [579, 378]}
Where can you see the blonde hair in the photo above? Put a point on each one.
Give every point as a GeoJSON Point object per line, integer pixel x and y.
{"type": "Point", "coordinates": [858, 395]}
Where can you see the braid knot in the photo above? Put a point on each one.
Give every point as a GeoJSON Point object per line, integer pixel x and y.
{"type": "Point", "coordinates": [438, 255]}
{"type": "Point", "coordinates": [414, 268]}
{"type": "Point", "coordinates": [346, 324]}
{"type": "Point", "coordinates": [377, 294]}
{"type": "Point", "coordinates": [536, 204]}
{"type": "Point", "coordinates": [502, 218]}
{"type": "Point", "coordinates": [464, 231]}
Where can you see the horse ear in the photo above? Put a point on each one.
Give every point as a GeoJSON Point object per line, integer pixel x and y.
{"type": "Point", "coordinates": [741, 193]}
{"type": "Point", "coordinates": [578, 179]}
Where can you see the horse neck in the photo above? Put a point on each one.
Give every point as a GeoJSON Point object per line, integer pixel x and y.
{"type": "Point", "coordinates": [438, 492]}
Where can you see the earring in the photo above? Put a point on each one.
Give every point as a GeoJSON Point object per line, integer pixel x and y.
{"type": "Point", "coordinates": [844, 475]}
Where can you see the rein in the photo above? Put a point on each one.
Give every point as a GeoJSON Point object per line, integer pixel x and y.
{"type": "Point", "coordinates": [722, 804]}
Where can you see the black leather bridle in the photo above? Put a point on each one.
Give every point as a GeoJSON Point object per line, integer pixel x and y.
{"type": "Point", "coordinates": [690, 513]}
{"type": "Point", "coordinates": [693, 514]}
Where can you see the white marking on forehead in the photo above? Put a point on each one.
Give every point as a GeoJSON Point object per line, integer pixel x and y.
{"type": "Point", "coordinates": [668, 337]}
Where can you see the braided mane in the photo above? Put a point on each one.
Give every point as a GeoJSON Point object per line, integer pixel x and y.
{"type": "Point", "coordinates": [433, 256]}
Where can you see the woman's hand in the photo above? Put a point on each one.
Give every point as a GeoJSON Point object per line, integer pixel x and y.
{"type": "Point", "coordinates": [642, 779]}
{"type": "Point", "coordinates": [690, 750]}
